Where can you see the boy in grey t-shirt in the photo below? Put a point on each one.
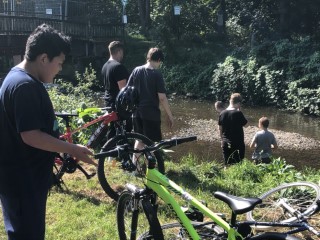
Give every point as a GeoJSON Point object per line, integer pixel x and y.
{"type": "Point", "coordinates": [263, 141]}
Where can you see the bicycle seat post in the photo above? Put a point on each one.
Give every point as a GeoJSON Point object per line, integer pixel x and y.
{"type": "Point", "coordinates": [66, 117]}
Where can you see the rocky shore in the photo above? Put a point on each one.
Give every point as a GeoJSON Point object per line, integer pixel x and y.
{"type": "Point", "coordinates": [207, 130]}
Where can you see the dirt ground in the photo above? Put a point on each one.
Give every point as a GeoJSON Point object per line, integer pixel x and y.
{"type": "Point", "coordinates": [207, 130]}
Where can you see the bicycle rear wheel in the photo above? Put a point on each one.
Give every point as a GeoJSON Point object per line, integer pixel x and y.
{"type": "Point", "coordinates": [134, 218]}
{"type": "Point", "coordinates": [274, 236]}
{"type": "Point", "coordinates": [298, 195]}
{"type": "Point", "coordinates": [113, 174]}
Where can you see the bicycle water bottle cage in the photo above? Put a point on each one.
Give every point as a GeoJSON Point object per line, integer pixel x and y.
{"type": "Point", "coordinates": [194, 214]}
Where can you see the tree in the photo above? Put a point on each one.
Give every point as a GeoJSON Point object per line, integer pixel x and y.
{"type": "Point", "coordinates": [144, 13]}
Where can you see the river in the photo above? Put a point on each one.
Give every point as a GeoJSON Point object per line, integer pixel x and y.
{"type": "Point", "coordinates": [185, 111]}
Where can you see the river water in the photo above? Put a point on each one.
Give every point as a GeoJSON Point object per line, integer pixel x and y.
{"type": "Point", "coordinates": [307, 126]}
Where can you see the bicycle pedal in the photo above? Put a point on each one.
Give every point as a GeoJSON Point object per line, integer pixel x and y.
{"type": "Point", "coordinates": [91, 175]}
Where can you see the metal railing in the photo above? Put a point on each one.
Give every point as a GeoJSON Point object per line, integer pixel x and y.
{"type": "Point", "coordinates": [23, 25]}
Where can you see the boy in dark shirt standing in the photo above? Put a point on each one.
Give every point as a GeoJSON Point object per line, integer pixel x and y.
{"type": "Point", "coordinates": [231, 123]}
{"type": "Point", "coordinates": [115, 76]}
{"type": "Point", "coordinates": [29, 135]}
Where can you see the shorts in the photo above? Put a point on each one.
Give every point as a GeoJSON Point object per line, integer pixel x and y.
{"type": "Point", "coordinates": [149, 128]}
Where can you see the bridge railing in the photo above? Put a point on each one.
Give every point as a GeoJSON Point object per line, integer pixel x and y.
{"type": "Point", "coordinates": [22, 25]}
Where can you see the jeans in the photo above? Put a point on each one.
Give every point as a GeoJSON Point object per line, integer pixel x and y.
{"type": "Point", "coordinates": [24, 215]}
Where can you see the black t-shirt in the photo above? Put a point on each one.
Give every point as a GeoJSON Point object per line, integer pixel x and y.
{"type": "Point", "coordinates": [113, 72]}
{"type": "Point", "coordinates": [148, 82]}
{"type": "Point", "coordinates": [24, 105]}
{"type": "Point", "coordinates": [232, 122]}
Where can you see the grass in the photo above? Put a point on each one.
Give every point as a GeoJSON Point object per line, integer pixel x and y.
{"type": "Point", "coordinates": [85, 212]}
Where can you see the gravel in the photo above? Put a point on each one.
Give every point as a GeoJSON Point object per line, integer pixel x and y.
{"type": "Point", "coordinates": [207, 130]}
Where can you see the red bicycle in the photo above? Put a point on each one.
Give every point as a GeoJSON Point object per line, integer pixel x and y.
{"type": "Point", "coordinates": [114, 173]}
{"type": "Point", "coordinates": [64, 163]}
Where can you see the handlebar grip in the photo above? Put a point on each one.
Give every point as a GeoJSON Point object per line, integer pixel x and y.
{"type": "Point", "coordinates": [111, 153]}
{"type": "Point", "coordinates": [186, 139]}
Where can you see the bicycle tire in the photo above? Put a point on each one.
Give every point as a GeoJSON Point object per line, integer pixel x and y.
{"type": "Point", "coordinates": [206, 230]}
{"type": "Point", "coordinates": [299, 195]}
{"type": "Point", "coordinates": [213, 231]}
{"type": "Point", "coordinates": [273, 236]}
{"type": "Point", "coordinates": [113, 183]}
{"type": "Point", "coordinates": [144, 219]}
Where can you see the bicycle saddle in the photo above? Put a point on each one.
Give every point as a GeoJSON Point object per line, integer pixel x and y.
{"type": "Point", "coordinates": [238, 205]}
{"type": "Point", "coordinates": [62, 115]}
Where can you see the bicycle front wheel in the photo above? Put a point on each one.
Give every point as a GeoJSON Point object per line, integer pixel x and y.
{"type": "Point", "coordinates": [136, 216]}
{"type": "Point", "coordinates": [113, 174]}
{"type": "Point", "coordinates": [206, 230]}
{"type": "Point", "coordinates": [300, 196]}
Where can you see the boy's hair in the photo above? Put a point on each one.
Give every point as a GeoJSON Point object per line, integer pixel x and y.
{"type": "Point", "coordinates": [219, 105]}
{"type": "Point", "coordinates": [235, 98]}
{"type": "Point", "coordinates": [115, 46]}
{"type": "Point", "coordinates": [264, 121]}
{"type": "Point", "coordinates": [45, 39]}
{"type": "Point", "coordinates": [155, 54]}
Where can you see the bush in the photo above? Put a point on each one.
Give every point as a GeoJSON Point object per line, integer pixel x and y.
{"type": "Point", "coordinates": [281, 73]}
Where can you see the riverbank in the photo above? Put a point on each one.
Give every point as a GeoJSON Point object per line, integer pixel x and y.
{"type": "Point", "coordinates": [207, 130]}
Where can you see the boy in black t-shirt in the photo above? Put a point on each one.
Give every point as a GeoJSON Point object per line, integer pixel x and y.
{"type": "Point", "coordinates": [231, 123]}
{"type": "Point", "coordinates": [29, 135]}
{"type": "Point", "coordinates": [115, 76]}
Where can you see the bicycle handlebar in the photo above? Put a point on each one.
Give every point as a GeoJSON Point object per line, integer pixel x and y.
{"type": "Point", "coordinates": [119, 150]}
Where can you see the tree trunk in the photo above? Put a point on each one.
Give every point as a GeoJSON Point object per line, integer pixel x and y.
{"type": "Point", "coordinates": [284, 17]}
{"type": "Point", "coordinates": [141, 6]}
{"type": "Point", "coordinates": [147, 14]}
{"type": "Point", "coordinates": [222, 16]}
{"type": "Point", "coordinates": [144, 13]}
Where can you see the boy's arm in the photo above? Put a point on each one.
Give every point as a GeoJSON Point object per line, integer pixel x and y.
{"type": "Point", "coordinates": [165, 104]}
{"type": "Point", "coordinates": [220, 131]}
{"type": "Point", "coordinates": [44, 141]}
{"type": "Point", "coordinates": [275, 145]}
{"type": "Point", "coordinates": [253, 142]}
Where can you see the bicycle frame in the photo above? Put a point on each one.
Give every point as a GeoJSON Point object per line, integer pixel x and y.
{"type": "Point", "coordinates": [163, 186]}
{"type": "Point", "coordinates": [107, 118]}
{"type": "Point", "coordinates": [160, 184]}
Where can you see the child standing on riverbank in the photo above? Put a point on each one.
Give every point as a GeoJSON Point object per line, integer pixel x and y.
{"type": "Point", "coordinates": [231, 123]}
{"type": "Point", "coordinates": [263, 141]}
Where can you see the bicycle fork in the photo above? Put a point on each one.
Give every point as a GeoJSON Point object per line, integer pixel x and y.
{"type": "Point", "coordinates": [135, 211]}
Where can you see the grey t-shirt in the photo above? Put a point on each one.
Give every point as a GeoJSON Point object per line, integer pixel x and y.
{"type": "Point", "coordinates": [263, 140]}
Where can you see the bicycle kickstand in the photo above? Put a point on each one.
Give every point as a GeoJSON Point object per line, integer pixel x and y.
{"type": "Point", "coordinates": [88, 176]}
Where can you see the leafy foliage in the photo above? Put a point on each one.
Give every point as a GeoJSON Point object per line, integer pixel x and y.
{"type": "Point", "coordinates": [280, 73]}
{"type": "Point", "coordinates": [79, 99]}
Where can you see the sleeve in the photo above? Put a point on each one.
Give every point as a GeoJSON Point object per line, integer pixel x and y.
{"type": "Point", "coordinates": [274, 141]}
{"type": "Point", "coordinates": [160, 83]}
{"type": "Point", "coordinates": [243, 120]}
{"type": "Point", "coordinates": [121, 73]}
{"type": "Point", "coordinates": [132, 78]}
{"type": "Point", "coordinates": [27, 108]}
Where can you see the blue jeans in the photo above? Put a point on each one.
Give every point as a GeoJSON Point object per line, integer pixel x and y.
{"type": "Point", "coordinates": [24, 215]}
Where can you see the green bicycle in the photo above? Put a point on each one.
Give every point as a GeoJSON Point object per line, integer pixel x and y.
{"type": "Point", "coordinates": [137, 208]}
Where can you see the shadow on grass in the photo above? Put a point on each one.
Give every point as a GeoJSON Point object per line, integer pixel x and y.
{"type": "Point", "coordinates": [188, 179]}
{"type": "Point", "coordinates": [93, 199]}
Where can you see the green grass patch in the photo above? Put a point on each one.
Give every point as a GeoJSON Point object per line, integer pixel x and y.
{"type": "Point", "coordinates": [85, 212]}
